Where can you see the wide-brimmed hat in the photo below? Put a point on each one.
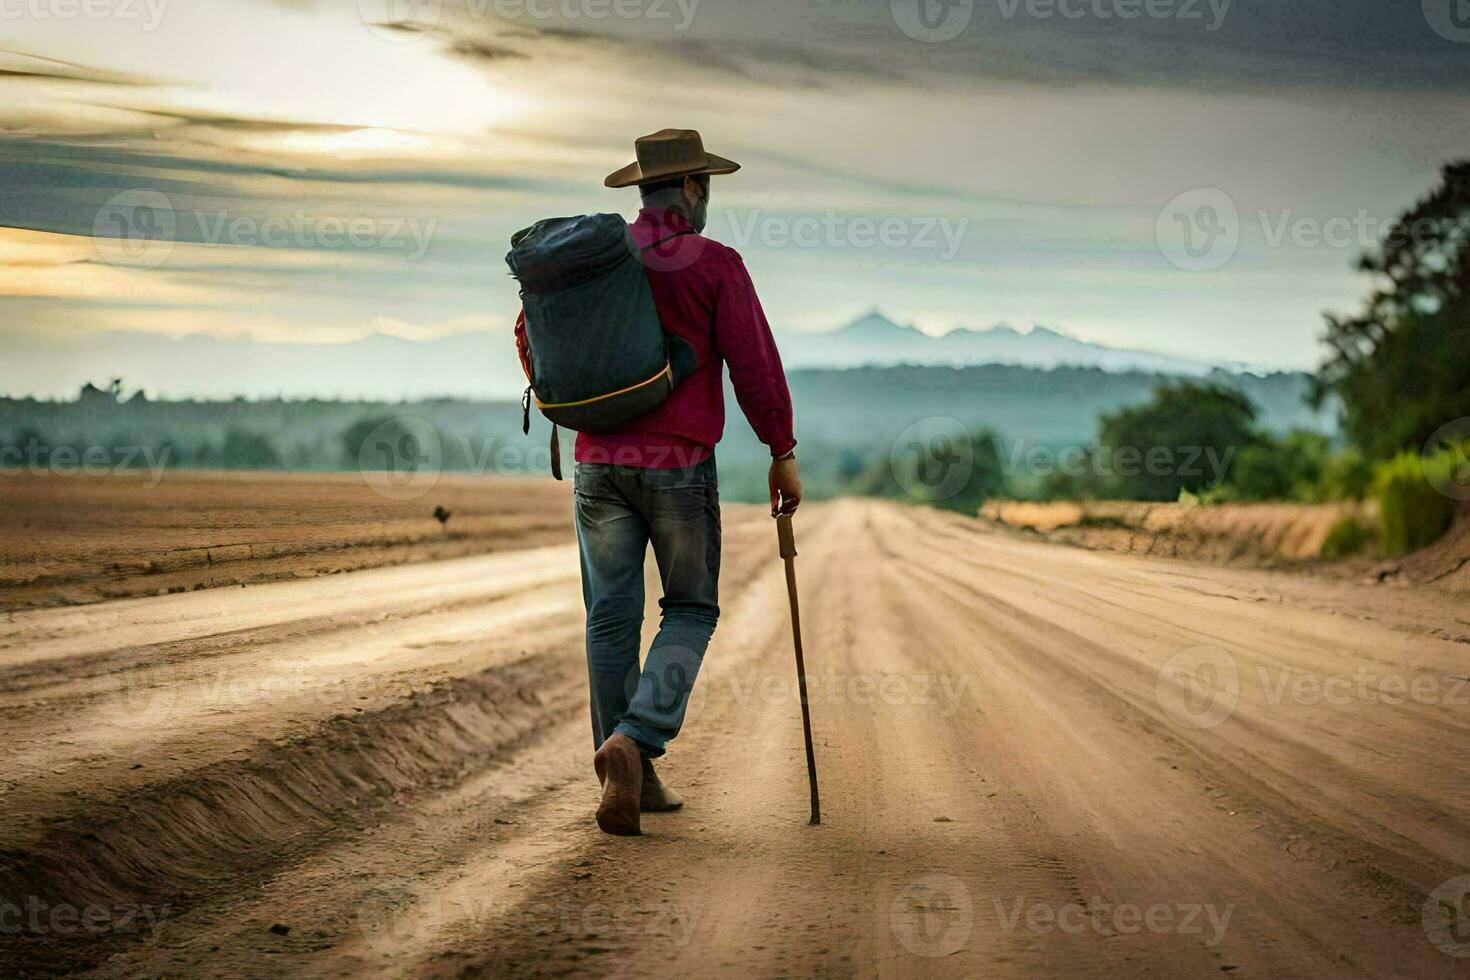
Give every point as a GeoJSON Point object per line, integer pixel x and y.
{"type": "Point", "coordinates": [666, 154]}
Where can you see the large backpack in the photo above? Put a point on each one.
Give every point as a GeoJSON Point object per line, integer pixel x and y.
{"type": "Point", "coordinates": [598, 355]}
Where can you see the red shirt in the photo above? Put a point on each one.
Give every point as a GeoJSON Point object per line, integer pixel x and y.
{"type": "Point", "coordinates": [704, 294]}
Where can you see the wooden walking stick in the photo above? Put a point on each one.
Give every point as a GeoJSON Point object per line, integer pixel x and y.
{"type": "Point", "coordinates": [787, 538]}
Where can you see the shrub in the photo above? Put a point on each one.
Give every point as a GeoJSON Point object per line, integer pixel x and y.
{"type": "Point", "coordinates": [1345, 477]}
{"type": "Point", "coordinates": [1347, 536]}
{"type": "Point", "coordinates": [1412, 512]}
{"type": "Point", "coordinates": [242, 449]}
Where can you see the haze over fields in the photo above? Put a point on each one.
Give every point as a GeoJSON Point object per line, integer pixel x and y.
{"type": "Point", "coordinates": [482, 365]}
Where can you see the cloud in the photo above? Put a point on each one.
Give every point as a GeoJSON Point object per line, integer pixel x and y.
{"type": "Point", "coordinates": [1057, 139]}
{"type": "Point", "coordinates": [18, 65]}
{"type": "Point", "coordinates": [1214, 45]}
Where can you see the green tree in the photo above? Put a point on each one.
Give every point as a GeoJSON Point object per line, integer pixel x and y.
{"type": "Point", "coordinates": [1289, 468]}
{"type": "Point", "coordinates": [1401, 366]}
{"type": "Point", "coordinates": [244, 449]}
{"type": "Point", "coordinates": [1180, 440]}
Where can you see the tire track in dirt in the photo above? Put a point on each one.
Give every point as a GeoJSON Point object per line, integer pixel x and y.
{"type": "Point", "coordinates": [1004, 792]}
{"type": "Point", "coordinates": [1358, 788]}
{"type": "Point", "coordinates": [489, 679]}
{"type": "Point", "coordinates": [1053, 784]}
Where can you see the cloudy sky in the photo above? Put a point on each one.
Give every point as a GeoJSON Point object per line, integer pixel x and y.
{"type": "Point", "coordinates": [1190, 176]}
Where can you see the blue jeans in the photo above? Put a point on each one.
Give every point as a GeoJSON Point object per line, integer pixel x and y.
{"type": "Point", "coordinates": [620, 510]}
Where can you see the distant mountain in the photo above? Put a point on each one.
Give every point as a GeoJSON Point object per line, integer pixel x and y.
{"type": "Point", "coordinates": [876, 341]}
{"type": "Point", "coordinates": [483, 365]}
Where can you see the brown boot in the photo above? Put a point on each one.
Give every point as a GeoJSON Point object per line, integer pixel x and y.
{"type": "Point", "coordinates": [656, 797]}
{"type": "Point", "coordinates": [620, 771]}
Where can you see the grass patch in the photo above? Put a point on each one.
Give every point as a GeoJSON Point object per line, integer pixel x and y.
{"type": "Point", "coordinates": [1413, 512]}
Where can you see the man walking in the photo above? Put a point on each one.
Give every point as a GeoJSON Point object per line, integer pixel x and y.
{"type": "Point", "coordinates": [654, 481]}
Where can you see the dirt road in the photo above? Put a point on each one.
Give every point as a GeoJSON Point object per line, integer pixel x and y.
{"type": "Point", "coordinates": [1035, 761]}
